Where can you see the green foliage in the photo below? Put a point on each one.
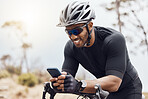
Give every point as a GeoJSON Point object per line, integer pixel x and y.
{"type": "Point", "coordinates": [28, 79]}
{"type": "Point", "coordinates": [4, 74]}
{"type": "Point", "coordinates": [14, 70]}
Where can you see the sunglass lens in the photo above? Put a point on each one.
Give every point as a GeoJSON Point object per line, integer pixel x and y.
{"type": "Point", "coordinates": [75, 31]}
{"type": "Point", "coordinates": [79, 30]}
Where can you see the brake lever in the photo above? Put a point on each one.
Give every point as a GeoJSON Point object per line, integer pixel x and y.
{"type": "Point", "coordinates": [101, 94]}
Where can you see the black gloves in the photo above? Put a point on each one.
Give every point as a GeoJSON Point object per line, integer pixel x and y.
{"type": "Point", "coordinates": [66, 84]}
{"type": "Point", "coordinates": [71, 85]}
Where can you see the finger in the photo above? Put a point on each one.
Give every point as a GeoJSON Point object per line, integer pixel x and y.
{"type": "Point", "coordinates": [53, 79]}
{"type": "Point", "coordinates": [60, 86]}
{"type": "Point", "coordinates": [62, 77]}
{"type": "Point", "coordinates": [60, 81]}
{"type": "Point", "coordinates": [56, 84]}
{"type": "Point", "coordinates": [63, 89]}
{"type": "Point", "coordinates": [64, 73]}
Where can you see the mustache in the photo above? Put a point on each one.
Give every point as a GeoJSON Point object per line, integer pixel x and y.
{"type": "Point", "coordinates": [76, 39]}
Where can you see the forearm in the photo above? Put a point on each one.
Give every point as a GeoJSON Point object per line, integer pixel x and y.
{"type": "Point", "coordinates": [109, 83]}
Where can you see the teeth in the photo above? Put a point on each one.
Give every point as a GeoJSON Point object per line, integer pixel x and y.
{"type": "Point", "coordinates": [76, 41]}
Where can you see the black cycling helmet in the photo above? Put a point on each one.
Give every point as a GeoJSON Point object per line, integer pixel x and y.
{"type": "Point", "coordinates": [76, 12]}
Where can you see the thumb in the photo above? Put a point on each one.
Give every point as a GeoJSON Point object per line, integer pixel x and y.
{"type": "Point", "coordinates": [64, 73]}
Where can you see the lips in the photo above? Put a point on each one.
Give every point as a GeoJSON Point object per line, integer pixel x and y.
{"type": "Point", "coordinates": [76, 41]}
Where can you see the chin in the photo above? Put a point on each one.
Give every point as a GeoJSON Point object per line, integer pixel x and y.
{"type": "Point", "coordinates": [79, 46]}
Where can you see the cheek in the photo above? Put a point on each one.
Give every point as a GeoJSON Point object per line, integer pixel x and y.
{"type": "Point", "coordinates": [69, 37]}
{"type": "Point", "coordinates": [84, 35]}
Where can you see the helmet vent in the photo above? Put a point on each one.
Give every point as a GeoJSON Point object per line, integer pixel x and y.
{"type": "Point", "coordinates": [72, 9]}
{"type": "Point", "coordinates": [80, 8]}
{"type": "Point", "coordinates": [87, 6]}
{"type": "Point", "coordinates": [65, 14]}
{"type": "Point", "coordinates": [86, 15]}
{"type": "Point", "coordinates": [75, 16]}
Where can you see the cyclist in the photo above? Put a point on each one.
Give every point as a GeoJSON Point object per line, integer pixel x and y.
{"type": "Point", "coordinates": [102, 51]}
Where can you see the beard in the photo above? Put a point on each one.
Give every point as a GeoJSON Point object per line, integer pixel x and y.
{"type": "Point", "coordinates": [80, 41]}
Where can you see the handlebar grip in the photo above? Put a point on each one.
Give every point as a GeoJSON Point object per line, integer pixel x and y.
{"type": "Point", "coordinates": [47, 88]}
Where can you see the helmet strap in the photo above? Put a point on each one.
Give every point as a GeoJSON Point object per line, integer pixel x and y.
{"type": "Point", "coordinates": [89, 36]}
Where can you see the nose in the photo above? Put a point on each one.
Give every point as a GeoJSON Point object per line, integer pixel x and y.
{"type": "Point", "coordinates": [73, 36]}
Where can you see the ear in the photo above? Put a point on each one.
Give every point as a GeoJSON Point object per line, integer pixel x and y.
{"type": "Point", "coordinates": [90, 25]}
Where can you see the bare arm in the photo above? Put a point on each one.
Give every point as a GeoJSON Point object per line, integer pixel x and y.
{"type": "Point", "coordinates": [109, 83]}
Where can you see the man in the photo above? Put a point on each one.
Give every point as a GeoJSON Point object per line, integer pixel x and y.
{"type": "Point", "coordinates": [101, 51]}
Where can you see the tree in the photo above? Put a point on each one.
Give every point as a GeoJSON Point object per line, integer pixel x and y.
{"type": "Point", "coordinates": [21, 35]}
{"type": "Point", "coordinates": [5, 58]}
{"type": "Point", "coordinates": [125, 10]}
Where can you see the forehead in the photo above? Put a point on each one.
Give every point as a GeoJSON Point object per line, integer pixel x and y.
{"type": "Point", "coordinates": [74, 26]}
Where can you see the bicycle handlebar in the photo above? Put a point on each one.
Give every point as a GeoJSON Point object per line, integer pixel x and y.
{"type": "Point", "coordinates": [100, 94]}
{"type": "Point", "coordinates": [47, 88]}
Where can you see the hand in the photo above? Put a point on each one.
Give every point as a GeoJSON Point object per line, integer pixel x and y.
{"type": "Point", "coordinates": [65, 83]}
{"type": "Point", "coordinates": [71, 85]}
{"type": "Point", "coordinates": [58, 83]}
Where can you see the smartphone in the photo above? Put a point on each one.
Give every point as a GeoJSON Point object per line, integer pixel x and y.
{"type": "Point", "coordinates": [54, 72]}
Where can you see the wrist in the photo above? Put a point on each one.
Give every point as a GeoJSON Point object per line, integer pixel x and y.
{"type": "Point", "coordinates": [81, 85]}
{"type": "Point", "coordinates": [78, 86]}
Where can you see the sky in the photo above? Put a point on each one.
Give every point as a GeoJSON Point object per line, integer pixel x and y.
{"type": "Point", "coordinates": [40, 18]}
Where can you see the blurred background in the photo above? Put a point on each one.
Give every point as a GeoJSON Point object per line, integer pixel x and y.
{"type": "Point", "coordinates": [30, 42]}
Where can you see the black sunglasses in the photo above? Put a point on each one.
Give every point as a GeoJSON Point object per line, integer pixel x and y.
{"type": "Point", "coordinates": [75, 31]}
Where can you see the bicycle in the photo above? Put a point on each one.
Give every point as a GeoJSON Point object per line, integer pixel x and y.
{"type": "Point", "coordinates": [100, 94]}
